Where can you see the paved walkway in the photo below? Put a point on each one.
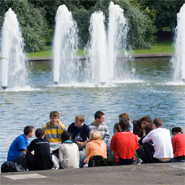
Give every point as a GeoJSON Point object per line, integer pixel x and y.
{"type": "Point", "coordinates": [149, 174]}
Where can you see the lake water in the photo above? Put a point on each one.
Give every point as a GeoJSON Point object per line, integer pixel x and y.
{"type": "Point", "coordinates": [152, 93]}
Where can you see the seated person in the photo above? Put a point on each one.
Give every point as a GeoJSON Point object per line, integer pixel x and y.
{"type": "Point", "coordinates": [68, 152]}
{"type": "Point", "coordinates": [116, 128]}
{"type": "Point", "coordinates": [17, 150]}
{"type": "Point", "coordinates": [178, 143]}
{"type": "Point", "coordinates": [123, 146]}
{"type": "Point", "coordinates": [53, 128]}
{"type": "Point", "coordinates": [79, 131]}
{"type": "Point", "coordinates": [161, 149]}
{"type": "Point", "coordinates": [98, 124]}
{"type": "Point", "coordinates": [96, 146]}
{"type": "Point", "coordinates": [140, 152]}
{"type": "Point", "coordinates": [125, 115]}
{"type": "Point", "coordinates": [139, 126]}
{"type": "Point", "coordinates": [42, 159]}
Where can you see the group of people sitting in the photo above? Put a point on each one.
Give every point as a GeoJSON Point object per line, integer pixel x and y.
{"type": "Point", "coordinates": [139, 141]}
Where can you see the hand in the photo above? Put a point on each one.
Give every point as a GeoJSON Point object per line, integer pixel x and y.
{"type": "Point", "coordinates": [85, 142]}
{"type": "Point", "coordinates": [80, 143]}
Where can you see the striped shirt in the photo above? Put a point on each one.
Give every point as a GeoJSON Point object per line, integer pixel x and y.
{"type": "Point", "coordinates": [53, 133]}
{"type": "Point", "coordinates": [102, 128]}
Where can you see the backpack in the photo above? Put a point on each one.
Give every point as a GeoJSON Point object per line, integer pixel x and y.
{"type": "Point", "coordinates": [96, 160]}
{"type": "Point", "coordinates": [9, 166]}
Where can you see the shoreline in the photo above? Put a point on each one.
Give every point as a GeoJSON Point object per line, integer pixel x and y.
{"type": "Point", "coordinates": [135, 56]}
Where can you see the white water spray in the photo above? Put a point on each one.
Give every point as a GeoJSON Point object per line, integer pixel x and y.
{"type": "Point", "coordinates": [178, 60]}
{"type": "Point", "coordinates": [104, 66]}
{"type": "Point", "coordinates": [97, 49]}
{"type": "Point", "coordinates": [13, 68]}
{"type": "Point", "coordinates": [65, 47]}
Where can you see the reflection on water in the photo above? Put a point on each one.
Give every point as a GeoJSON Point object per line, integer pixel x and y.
{"type": "Point", "coordinates": [153, 93]}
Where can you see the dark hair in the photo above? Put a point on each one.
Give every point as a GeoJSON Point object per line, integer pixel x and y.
{"type": "Point", "coordinates": [98, 114]}
{"type": "Point", "coordinates": [148, 128]}
{"type": "Point", "coordinates": [28, 129]}
{"type": "Point", "coordinates": [65, 135]}
{"type": "Point", "coordinates": [116, 127]}
{"type": "Point", "coordinates": [158, 122]}
{"type": "Point", "coordinates": [124, 123]}
{"type": "Point", "coordinates": [177, 129]}
{"type": "Point", "coordinates": [39, 132]}
{"type": "Point", "coordinates": [54, 114]}
{"type": "Point", "coordinates": [139, 129]}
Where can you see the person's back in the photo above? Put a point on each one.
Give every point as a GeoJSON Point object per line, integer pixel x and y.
{"type": "Point", "coordinates": [68, 152]}
{"type": "Point", "coordinates": [125, 144]}
{"type": "Point", "coordinates": [162, 146]}
{"type": "Point", "coordinates": [162, 142]}
{"type": "Point", "coordinates": [178, 143]}
{"type": "Point", "coordinates": [41, 160]}
{"type": "Point", "coordinates": [96, 146]}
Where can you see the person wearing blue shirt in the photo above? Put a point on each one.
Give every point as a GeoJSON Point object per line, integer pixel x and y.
{"type": "Point", "coordinates": [18, 148]}
{"type": "Point", "coordinates": [79, 131]}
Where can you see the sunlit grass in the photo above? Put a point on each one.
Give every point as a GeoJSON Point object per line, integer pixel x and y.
{"type": "Point", "coordinates": [159, 47]}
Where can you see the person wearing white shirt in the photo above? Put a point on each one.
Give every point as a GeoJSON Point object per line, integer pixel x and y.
{"type": "Point", "coordinates": [161, 150]}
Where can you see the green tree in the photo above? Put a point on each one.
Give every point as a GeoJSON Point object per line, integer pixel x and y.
{"type": "Point", "coordinates": [166, 11]}
{"type": "Point", "coordinates": [32, 22]}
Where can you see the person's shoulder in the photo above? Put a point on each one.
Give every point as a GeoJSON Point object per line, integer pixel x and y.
{"type": "Point", "coordinates": [71, 125]}
{"type": "Point", "coordinates": [91, 123]}
{"type": "Point", "coordinates": [61, 125]}
{"type": "Point", "coordinates": [46, 124]}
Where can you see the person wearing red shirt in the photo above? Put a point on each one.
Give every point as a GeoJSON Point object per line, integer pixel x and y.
{"type": "Point", "coordinates": [123, 146]}
{"type": "Point", "coordinates": [178, 143]}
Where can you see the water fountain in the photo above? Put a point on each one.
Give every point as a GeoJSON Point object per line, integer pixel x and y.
{"type": "Point", "coordinates": [103, 49]}
{"type": "Point", "coordinates": [65, 41]}
{"type": "Point", "coordinates": [13, 68]}
{"type": "Point", "coordinates": [178, 60]}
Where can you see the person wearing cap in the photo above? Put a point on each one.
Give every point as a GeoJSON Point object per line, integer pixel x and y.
{"type": "Point", "coordinates": [125, 115]}
{"type": "Point", "coordinates": [161, 150]}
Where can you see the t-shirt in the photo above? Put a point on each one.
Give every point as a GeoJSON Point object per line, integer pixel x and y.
{"type": "Point", "coordinates": [18, 144]}
{"type": "Point", "coordinates": [178, 142]}
{"type": "Point", "coordinates": [69, 155]}
{"type": "Point", "coordinates": [125, 144]}
{"type": "Point", "coordinates": [162, 142]}
{"type": "Point", "coordinates": [42, 155]}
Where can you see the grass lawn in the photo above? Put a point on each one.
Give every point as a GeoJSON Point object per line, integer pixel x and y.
{"type": "Point", "coordinates": [159, 47]}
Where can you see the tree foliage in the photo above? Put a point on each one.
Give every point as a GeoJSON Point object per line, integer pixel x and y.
{"type": "Point", "coordinates": [32, 22]}
{"type": "Point", "coordinates": [166, 11]}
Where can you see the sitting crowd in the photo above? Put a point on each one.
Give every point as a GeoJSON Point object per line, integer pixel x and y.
{"type": "Point", "coordinates": [139, 141]}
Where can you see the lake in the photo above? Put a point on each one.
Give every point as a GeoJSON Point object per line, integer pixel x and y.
{"type": "Point", "coordinates": [151, 93]}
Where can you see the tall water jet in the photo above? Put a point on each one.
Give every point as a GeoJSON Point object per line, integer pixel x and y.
{"type": "Point", "coordinates": [97, 49]}
{"type": "Point", "coordinates": [117, 41]}
{"type": "Point", "coordinates": [13, 68]}
{"type": "Point", "coordinates": [65, 47]}
{"type": "Point", "coordinates": [178, 60]}
{"type": "Point", "coordinates": [104, 48]}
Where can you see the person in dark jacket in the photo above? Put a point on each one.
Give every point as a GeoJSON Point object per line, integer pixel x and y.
{"type": "Point", "coordinates": [42, 159]}
{"type": "Point", "coordinates": [79, 131]}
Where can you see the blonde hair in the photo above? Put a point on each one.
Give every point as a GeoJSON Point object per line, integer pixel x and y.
{"type": "Point", "coordinates": [80, 118]}
{"type": "Point", "coordinates": [94, 135]}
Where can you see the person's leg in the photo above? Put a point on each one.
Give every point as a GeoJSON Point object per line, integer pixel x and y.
{"type": "Point", "coordinates": [21, 159]}
{"type": "Point", "coordinates": [149, 151]}
{"type": "Point", "coordinates": [30, 159]}
{"type": "Point", "coordinates": [108, 149]}
{"type": "Point", "coordinates": [142, 155]}
{"type": "Point", "coordinates": [82, 157]}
